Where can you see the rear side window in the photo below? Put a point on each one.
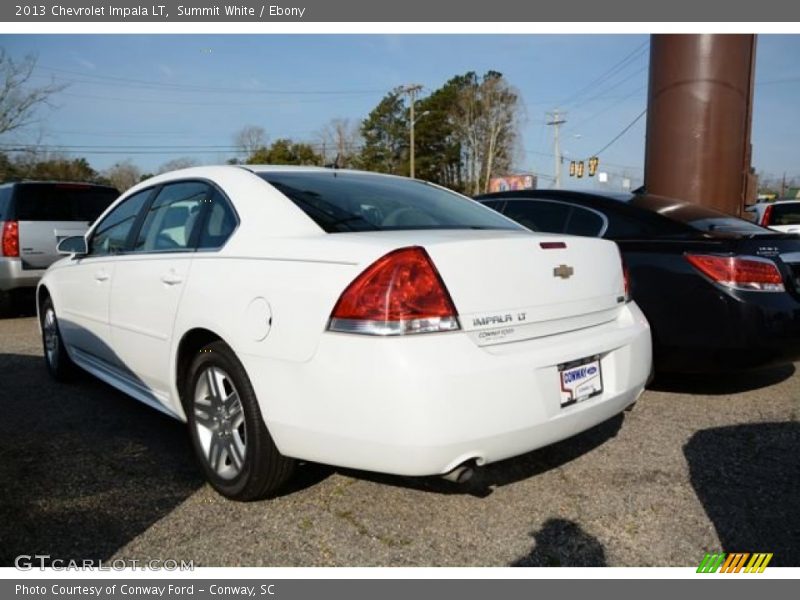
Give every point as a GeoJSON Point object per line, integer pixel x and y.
{"type": "Point", "coordinates": [785, 214]}
{"type": "Point", "coordinates": [539, 216]}
{"type": "Point", "coordinates": [625, 228]}
{"type": "Point", "coordinates": [697, 217]}
{"type": "Point", "coordinates": [171, 217]}
{"type": "Point", "coordinates": [219, 223]}
{"type": "Point", "coordinates": [585, 222]}
{"type": "Point", "coordinates": [111, 234]}
{"type": "Point", "coordinates": [61, 202]}
{"type": "Point", "coordinates": [494, 204]}
{"type": "Point", "coordinates": [341, 202]}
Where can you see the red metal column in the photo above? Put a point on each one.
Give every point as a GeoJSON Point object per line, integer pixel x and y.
{"type": "Point", "coordinates": [699, 118]}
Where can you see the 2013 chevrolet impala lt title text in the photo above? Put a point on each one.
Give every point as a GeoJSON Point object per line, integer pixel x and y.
{"type": "Point", "coordinates": [160, 10]}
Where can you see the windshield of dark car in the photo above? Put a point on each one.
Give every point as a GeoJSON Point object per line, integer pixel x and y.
{"type": "Point", "coordinates": [61, 201]}
{"type": "Point", "coordinates": [698, 217]}
{"type": "Point", "coordinates": [344, 201]}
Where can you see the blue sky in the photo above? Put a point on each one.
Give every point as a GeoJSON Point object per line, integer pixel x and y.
{"type": "Point", "coordinates": [120, 97]}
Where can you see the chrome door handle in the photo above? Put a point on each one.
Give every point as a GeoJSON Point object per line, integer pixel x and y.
{"type": "Point", "coordinates": [101, 276]}
{"type": "Point", "coordinates": [171, 278]}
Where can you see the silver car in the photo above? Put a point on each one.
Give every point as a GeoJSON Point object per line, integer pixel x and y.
{"type": "Point", "coordinates": [780, 215]}
{"type": "Point", "coordinates": [34, 217]}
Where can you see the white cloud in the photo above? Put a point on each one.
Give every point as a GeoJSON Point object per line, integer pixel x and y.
{"type": "Point", "coordinates": [86, 64]}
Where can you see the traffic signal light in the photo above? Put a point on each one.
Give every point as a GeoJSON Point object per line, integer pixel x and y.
{"type": "Point", "coordinates": [572, 168]}
{"type": "Point", "coordinates": [580, 168]}
{"type": "Point", "coordinates": [593, 164]}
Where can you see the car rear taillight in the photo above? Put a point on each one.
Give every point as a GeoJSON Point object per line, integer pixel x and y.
{"type": "Point", "coordinates": [400, 293]}
{"type": "Point", "coordinates": [10, 238]}
{"type": "Point", "coordinates": [626, 281]}
{"type": "Point", "coordinates": [744, 273]}
{"type": "Point", "coordinates": [767, 216]}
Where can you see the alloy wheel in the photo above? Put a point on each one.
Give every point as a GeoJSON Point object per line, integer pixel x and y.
{"type": "Point", "coordinates": [219, 420]}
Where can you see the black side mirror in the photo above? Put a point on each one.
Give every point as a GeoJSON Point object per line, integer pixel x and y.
{"type": "Point", "coordinates": [74, 245]}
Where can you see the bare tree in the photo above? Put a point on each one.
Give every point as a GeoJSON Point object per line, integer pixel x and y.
{"type": "Point", "coordinates": [18, 101]}
{"type": "Point", "coordinates": [183, 162]}
{"type": "Point", "coordinates": [499, 119]}
{"type": "Point", "coordinates": [250, 139]}
{"type": "Point", "coordinates": [123, 174]}
{"type": "Point", "coordinates": [485, 116]}
{"type": "Point", "coordinates": [466, 117]}
{"type": "Point", "coordinates": [340, 141]}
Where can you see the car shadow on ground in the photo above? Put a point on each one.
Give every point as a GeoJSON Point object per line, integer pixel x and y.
{"type": "Point", "coordinates": [563, 543]}
{"type": "Point", "coordinates": [84, 468]}
{"type": "Point", "coordinates": [722, 384]}
{"type": "Point", "coordinates": [748, 480]}
{"type": "Point", "coordinates": [24, 306]}
{"type": "Point", "coordinates": [489, 477]}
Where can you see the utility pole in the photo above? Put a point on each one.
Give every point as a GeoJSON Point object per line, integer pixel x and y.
{"type": "Point", "coordinates": [412, 89]}
{"type": "Point", "coordinates": [556, 119]}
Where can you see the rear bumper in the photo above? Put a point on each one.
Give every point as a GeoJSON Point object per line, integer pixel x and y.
{"type": "Point", "coordinates": [747, 330]}
{"type": "Point", "coordinates": [422, 405]}
{"type": "Point", "coordinates": [13, 276]}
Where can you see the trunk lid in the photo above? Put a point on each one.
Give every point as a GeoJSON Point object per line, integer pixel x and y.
{"type": "Point", "coordinates": [784, 249]}
{"type": "Point", "coordinates": [510, 286]}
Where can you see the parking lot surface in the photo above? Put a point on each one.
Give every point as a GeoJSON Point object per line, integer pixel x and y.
{"type": "Point", "coordinates": [701, 464]}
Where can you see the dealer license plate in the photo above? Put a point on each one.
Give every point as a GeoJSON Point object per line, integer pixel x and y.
{"type": "Point", "coordinates": [580, 379]}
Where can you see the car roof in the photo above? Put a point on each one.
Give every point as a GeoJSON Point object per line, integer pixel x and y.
{"type": "Point", "coordinates": [56, 182]}
{"type": "Point", "coordinates": [557, 194]}
{"type": "Point", "coordinates": [315, 169]}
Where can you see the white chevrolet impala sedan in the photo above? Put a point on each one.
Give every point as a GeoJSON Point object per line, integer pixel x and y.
{"type": "Point", "coordinates": [354, 319]}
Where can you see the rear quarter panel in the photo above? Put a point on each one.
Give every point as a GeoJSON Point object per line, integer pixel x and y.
{"type": "Point", "coordinates": [683, 308]}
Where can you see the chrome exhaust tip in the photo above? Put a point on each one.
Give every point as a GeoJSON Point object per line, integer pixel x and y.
{"type": "Point", "coordinates": [461, 474]}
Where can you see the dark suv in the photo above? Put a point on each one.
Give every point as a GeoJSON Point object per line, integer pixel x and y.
{"type": "Point", "coordinates": [34, 217]}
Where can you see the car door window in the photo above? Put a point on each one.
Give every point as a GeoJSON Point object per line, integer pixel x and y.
{"type": "Point", "coordinates": [585, 222]}
{"type": "Point", "coordinates": [111, 234]}
{"type": "Point", "coordinates": [171, 217]}
{"type": "Point", "coordinates": [539, 216]}
{"type": "Point", "coordinates": [620, 227]}
{"type": "Point", "coordinates": [219, 223]}
{"type": "Point", "coordinates": [494, 204]}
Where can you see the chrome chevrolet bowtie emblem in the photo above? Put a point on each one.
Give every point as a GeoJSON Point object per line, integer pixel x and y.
{"type": "Point", "coordinates": [563, 271]}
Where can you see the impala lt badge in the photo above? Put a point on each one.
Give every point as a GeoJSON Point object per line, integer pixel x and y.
{"type": "Point", "coordinates": [563, 271]}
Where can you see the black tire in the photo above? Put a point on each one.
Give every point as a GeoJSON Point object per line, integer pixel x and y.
{"type": "Point", "coordinates": [218, 440]}
{"type": "Point", "coordinates": [58, 362]}
{"type": "Point", "coordinates": [5, 304]}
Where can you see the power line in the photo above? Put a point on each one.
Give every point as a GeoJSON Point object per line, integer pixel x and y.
{"type": "Point", "coordinates": [602, 94]}
{"type": "Point", "coordinates": [621, 133]}
{"type": "Point", "coordinates": [140, 149]}
{"type": "Point", "coordinates": [182, 87]}
{"type": "Point", "coordinates": [610, 72]}
{"type": "Point", "coordinates": [217, 104]}
{"type": "Point", "coordinates": [620, 99]}
{"type": "Point", "coordinates": [617, 165]}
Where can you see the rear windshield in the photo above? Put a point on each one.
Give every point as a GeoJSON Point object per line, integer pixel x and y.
{"type": "Point", "coordinates": [5, 201]}
{"type": "Point", "coordinates": [342, 201]}
{"type": "Point", "coordinates": [61, 201]}
{"type": "Point", "coordinates": [696, 216]}
{"type": "Point", "coordinates": [785, 214]}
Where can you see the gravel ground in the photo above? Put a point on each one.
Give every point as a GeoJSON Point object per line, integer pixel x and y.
{"type": "Point", "coordinates": [700, 464]}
